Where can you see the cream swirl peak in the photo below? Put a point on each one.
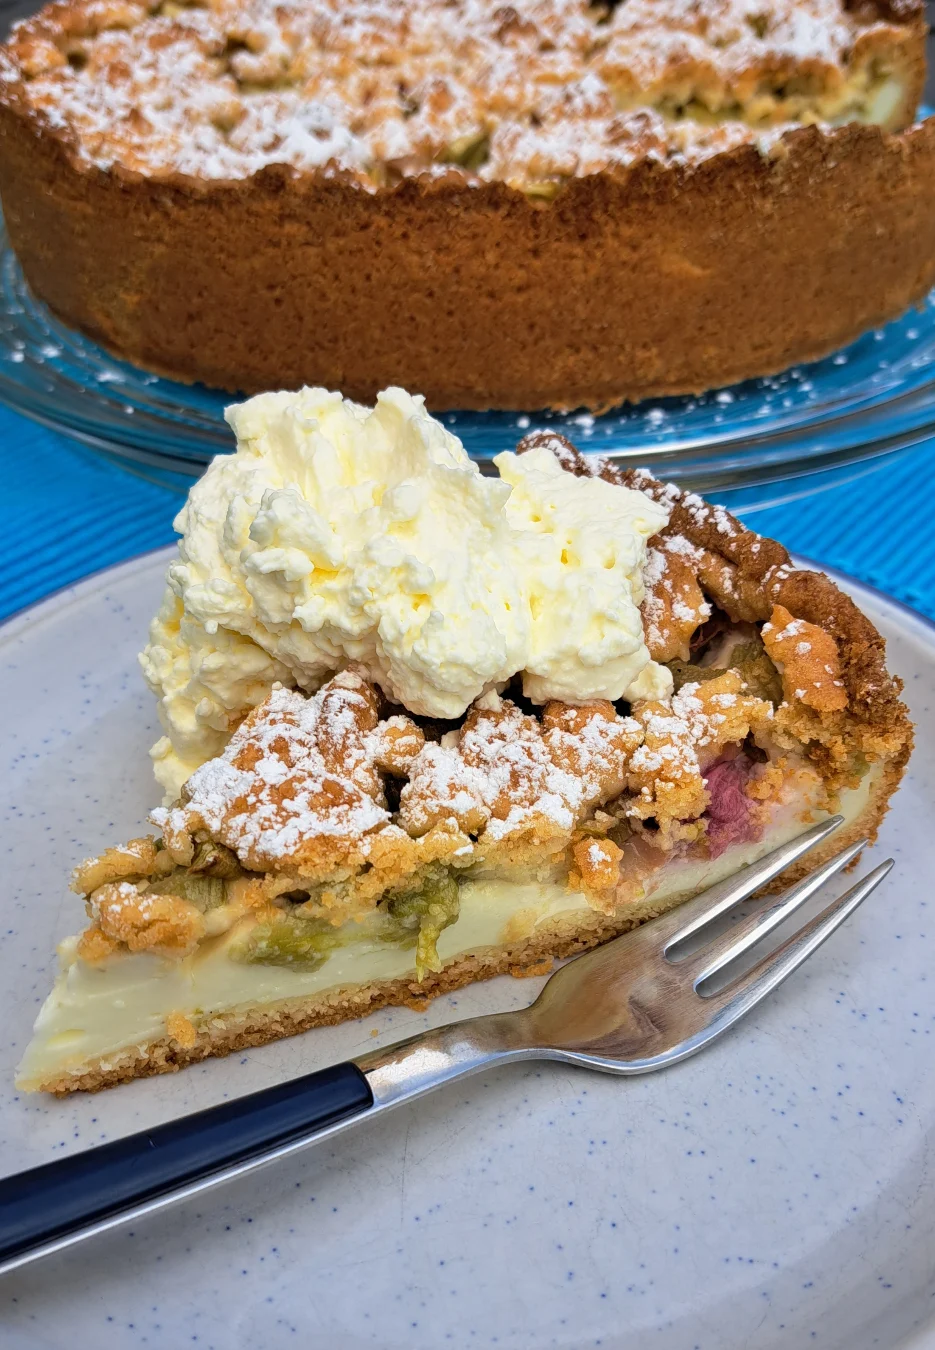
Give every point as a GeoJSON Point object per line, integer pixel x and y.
{"type": "Point", "coordinates": [340, 533]}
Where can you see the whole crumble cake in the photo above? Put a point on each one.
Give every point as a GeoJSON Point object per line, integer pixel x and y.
{"type": "Point", "coordinates": [552, 204]}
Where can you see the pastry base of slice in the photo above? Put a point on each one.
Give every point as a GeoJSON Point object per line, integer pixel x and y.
{"type": "Point", "coordinates": [173, 1014]}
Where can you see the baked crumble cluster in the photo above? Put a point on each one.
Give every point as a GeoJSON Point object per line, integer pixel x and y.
{"type": "Point", "coordinates": [335, 807]}
{"type": "Point", "coordinates": [528, 93]}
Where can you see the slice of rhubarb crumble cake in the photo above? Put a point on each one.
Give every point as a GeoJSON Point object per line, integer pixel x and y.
{"type": "Point", "coordinates": [364, 822]}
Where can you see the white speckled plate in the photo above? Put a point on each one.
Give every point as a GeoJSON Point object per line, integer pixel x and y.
{"type": "Point", "coordinates": [775, 1193]}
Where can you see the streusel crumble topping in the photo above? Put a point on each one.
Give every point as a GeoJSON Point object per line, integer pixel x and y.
{"type": "Point", "coordinates": [527, 93]}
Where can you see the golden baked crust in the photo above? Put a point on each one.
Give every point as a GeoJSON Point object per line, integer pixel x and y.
{"type": "Point", "coordinates": [686, 253]}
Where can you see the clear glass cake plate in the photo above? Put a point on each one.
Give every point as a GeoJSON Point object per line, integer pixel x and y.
{"type": "Point", "coordinates": [752, 445]}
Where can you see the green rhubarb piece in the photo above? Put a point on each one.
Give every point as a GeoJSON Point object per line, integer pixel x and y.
{"type": "Point", "coordinates": [757, 671]}
{"type": "Point", "coordinates": [417, 918]}
{"type": "Point", "coordinates": [683, 672]}
{"type": "Point", "coordinates": [751, 663]}
{"type": "Point", "coordinates": [470, 151]}
{"type": "Point", "coordinates": [203, 892]}
{"type": "Point", "coordinates": [289, 940]}
{"type": "Point", "coordinates": [215, 860]}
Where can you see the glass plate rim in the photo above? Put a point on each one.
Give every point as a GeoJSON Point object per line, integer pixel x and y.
{"type": "Point", "coordinates": [137, 417]}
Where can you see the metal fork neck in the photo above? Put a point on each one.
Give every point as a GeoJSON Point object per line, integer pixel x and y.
{"type": "Point", "coordinates": [426, 1061]}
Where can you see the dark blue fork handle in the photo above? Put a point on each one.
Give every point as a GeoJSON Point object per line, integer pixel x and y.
{"type": "Point", "coordinates": [73, 1193]}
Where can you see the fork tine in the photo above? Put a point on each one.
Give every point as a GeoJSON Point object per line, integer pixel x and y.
{"type": "Point", "coordinates": [751, 930]}
{"type": "Point", "coordinates": [738, 998]}
{"type": "Point", "coordinates": [722, 896]}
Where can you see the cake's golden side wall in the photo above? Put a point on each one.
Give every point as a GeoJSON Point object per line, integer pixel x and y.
{"type": "Point", "coordinates": [659, 280]}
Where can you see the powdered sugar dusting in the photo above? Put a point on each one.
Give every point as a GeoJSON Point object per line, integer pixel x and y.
{"type": "Point", "coordinates": [376, 90]}
{"type": "Point", "coordinates": [673, 606]}
{"type": "Point", "coordinates": [299, 787]}
{"type": "Point", "coordinates": [120, 896]}
{"type": "Point", "coordinates": [509, 773]}
{"type": "Point", "coordinates": [300, 769]}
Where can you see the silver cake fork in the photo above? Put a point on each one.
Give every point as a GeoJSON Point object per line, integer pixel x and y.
{"type": "Point", "coordinates": [641, 1002]}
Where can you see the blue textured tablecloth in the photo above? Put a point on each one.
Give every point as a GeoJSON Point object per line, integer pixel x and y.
{"type": "Point", "coordinates": [69, 513]}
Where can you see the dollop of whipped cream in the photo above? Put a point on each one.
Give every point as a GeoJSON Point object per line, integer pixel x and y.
{"type": "Point", "coordinates": [341, 533]}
